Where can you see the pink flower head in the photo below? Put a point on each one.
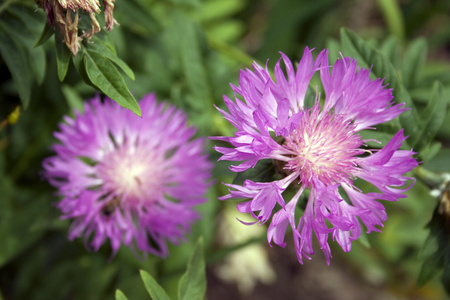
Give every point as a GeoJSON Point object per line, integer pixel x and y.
{"type": "Point", "coordinates": [128, 179]}
{"type": "Point", "coordinates": [315, 148]}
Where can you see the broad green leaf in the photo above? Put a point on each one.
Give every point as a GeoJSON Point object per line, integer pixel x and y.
{"type": "Point", "coordinates": [155, 291]}
{"type": "Point", "coordinates": [63, 56]}
{"type": "Point", "coordinates": [120, 295]}
{"type": "Point", "coordinates": [367, 56]}
{"type": "Point", "coordinates": [15, 57]}
{"type": "Point", "coordinates": [105, 76]}
{"type": "Point", "coordinates": [192, 284]}
{"type": "Point", "coordinates": [100, 48]}
{"type": "Point", "coordinates": [413, 62]}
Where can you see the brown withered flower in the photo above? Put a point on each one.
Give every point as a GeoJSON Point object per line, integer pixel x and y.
{"type": "Point", "coordinates": [63, 14]}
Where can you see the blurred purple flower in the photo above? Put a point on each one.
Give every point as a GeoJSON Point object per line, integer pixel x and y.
{"type": "Point", "coordinates": [128, 179]}
{"type": "Point", "coordinates": [316, 148]}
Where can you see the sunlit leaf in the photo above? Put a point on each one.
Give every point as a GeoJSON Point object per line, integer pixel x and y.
{"type": "Point", "coordinates": [105, 76]}
{"type": "Point", "coordinates": [155, 291]}
{"type": "Point", "coordinates": [100, 48]}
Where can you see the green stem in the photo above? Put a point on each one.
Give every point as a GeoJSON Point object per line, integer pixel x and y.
{"type": "Point", "coordinates": [393, 16]}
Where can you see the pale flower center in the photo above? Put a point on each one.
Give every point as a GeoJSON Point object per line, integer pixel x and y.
{"type": "Point", "coordinates": [129, 172]}
{"type": "Point", "coordinates": [325, 148]}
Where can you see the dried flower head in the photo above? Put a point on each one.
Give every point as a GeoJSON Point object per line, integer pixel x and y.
{"type": "Point", "coordinates": [64, 15]}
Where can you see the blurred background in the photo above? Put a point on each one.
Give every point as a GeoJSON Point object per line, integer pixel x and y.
{"type": "Point", "coordinates": [188, 51]}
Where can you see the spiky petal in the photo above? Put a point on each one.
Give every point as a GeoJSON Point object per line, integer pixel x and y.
{"type": "Point", "coordinates": [316, 148]}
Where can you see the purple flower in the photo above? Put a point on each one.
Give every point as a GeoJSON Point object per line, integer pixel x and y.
{"type": "Point", "coordinates": [315, 149]}
{"type": "Point", "coordinates": [128, 179]}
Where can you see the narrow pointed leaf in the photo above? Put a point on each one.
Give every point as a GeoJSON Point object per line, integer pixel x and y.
{"type": "Point", "coordinates": [16, 59]}
{"type": "Point", "coordinates": [155, 291]}
{"type": "Point", "coordinates": [105, 76]}
{"type": "Point", "coordinates": [63, 56]}
{"type": "Point", "coordinates": [413, 62]}
{"type": "Point", "coordinates": [432, 117]}
{"type": "Point", "coordinates": [120, 295]}
{"type": "Point", "coordinates": [100, 48]}
{"type": "Point", "coordinates": [24, 29]}
{"type": "Point", "coordinates": [46, 33]}
{"type": "Point", "coordinates": [192, 284]}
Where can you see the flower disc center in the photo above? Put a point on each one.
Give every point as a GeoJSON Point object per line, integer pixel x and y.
{"type": "Point", "coordinates": [325, 147]}
{"type": "Point", "coordinates": [128, 172]}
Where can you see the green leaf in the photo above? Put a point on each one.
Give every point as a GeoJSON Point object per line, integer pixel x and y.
{"type": "Point", "coordinates": [393, 16]}
{"type": "Point", "coordinates": [430, 150]}
{"type": "Point", "coordinates": [413, 62]}
{"type": "Point", "coordinates": [105, 76]}
{"type": "Point", "coordinates": [155, 291]}
{"type": "Point", "coordinates": [435, 248]}
{"type": "Point", "coordinates": [432, 117]}
{"type": "Point", "coordinates": [101, 48]}
{"type": "Point", "coordinates": [390, 49]}
{"type": "Point", "coordinates": [192, 284]}
{"type": "Point", "coordinates": [120, 295]}
{"type": "Point", "coordinates": [193, 65]}
{"type": "Point", "coordinates": [15, 57]}
{"type": "Point", "coordinates": [46, 33]}
{"type": "Point", "coordinates": [63, 56]}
